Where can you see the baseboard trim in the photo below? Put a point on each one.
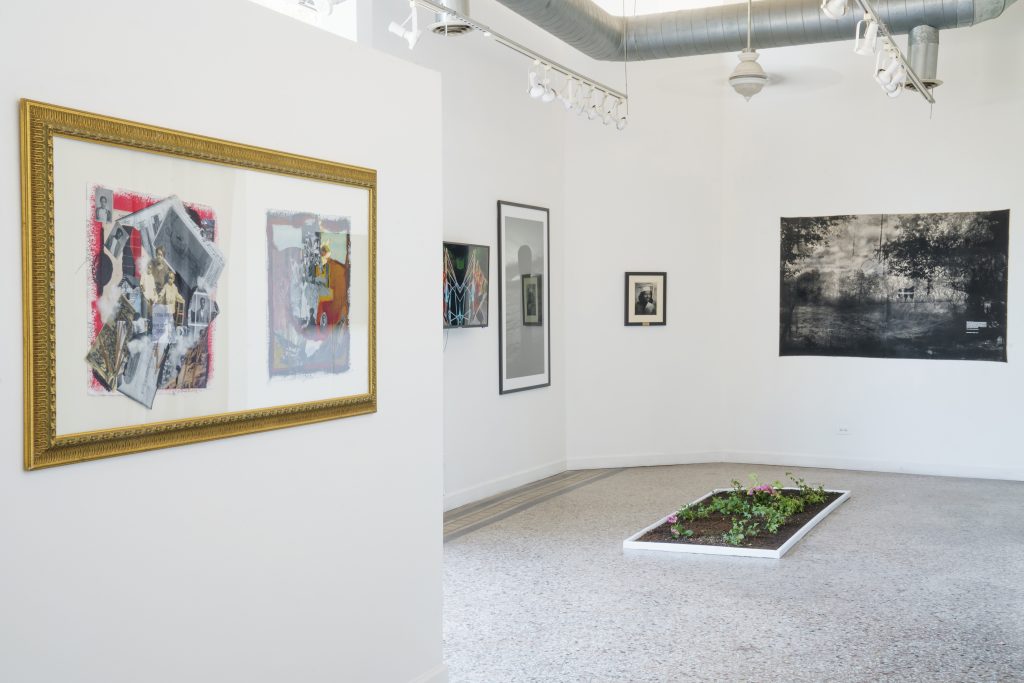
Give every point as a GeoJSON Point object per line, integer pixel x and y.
{"type": "Point", "coordinates": [596, 462]}
{"type": "Point", "coordinates": [439, 674]}
{"type": "Point", "coordinates": [502, 484]}
{"type": "Point", "coordinates": [834, 462]}
{"type": "Point", "coordinates": [842, 462]}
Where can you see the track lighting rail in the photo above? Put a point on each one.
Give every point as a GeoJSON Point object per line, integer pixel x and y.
{"type": "Point", "coordinates": [518, 47]}
{"type": "Point", "coordinates": [886, 35]}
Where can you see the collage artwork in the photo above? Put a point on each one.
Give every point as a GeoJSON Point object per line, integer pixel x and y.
{"type": "Point", "coordinates": [308, 261]}
{"type": "Point", "coordinates": [153, 299]}
{"type": "Point", "coordinates": [155, 266]}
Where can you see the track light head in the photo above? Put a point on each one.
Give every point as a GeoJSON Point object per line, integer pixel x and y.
{"type": "Point", "coordinates": [583, 101]}
{"type": "Point", "coordinates": [865, 42]}
{"type": "Point", "coordinates": [621, 114]}
{"type": "Point", "coordinates": [890, 73]}
{"type": "Point", "coordinates": [611, 111]}
{"type": "Point", "coordinates": [834, 9]}
{"type": "Point", "coordinates": [537, 86]}
{"type": "Point", "coordinates": [535, 89]}
{"type": "Point", "coordinates": [413, 33]}
{"type": "Point", "coordinates": [411, 37]}
{"type": "Point", "coordinates": [571, 93]}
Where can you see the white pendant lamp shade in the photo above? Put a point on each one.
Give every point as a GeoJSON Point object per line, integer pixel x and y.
{"type": "Point", "coordinates": [748, 78]}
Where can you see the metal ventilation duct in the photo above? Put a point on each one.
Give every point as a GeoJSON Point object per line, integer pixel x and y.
{"type": "Point", "coordinates": [710, 30]}
{"type": "Point", "coordinates": [448, 24]}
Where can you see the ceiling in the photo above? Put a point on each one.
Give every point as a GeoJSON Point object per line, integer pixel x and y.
{"type": "Point", "coordinates": [640, 7]}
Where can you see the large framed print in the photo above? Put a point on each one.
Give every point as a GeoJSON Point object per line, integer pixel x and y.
{"type": "Point", "coordinates": [524, 300]}
{"type": "Point", "coordinates": [179, 288]}
{"type": "Point", "coordinates": [645, 299]}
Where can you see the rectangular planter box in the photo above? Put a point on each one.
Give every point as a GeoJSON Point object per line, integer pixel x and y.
{"type": "Point", "coordinates": [632, 543]}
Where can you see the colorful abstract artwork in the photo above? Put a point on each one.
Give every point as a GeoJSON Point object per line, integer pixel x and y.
{"type": "Point", "coordinates": [155, 266]}
{"type": "Point", "coordinates": [309, 277]}
{"type": "Point", "coordinates": [465, 285]}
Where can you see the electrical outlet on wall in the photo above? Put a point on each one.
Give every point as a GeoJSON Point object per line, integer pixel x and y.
{"type": "Point", "coordinates": [843, 430]}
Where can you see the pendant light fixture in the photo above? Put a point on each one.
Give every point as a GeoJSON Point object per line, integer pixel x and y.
{"type": "Point", "coordinates": [748, 77]}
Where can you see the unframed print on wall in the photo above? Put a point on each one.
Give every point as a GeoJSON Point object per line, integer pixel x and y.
{"type": "Point", "coordinates": [927, 286]}
{"type": "Point", "coordinates": [524, 332]}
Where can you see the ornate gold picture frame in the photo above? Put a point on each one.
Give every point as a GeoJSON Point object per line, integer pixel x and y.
{"type": "Point", "coordinates": [180, 288]}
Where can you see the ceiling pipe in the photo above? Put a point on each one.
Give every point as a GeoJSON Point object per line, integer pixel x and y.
{"type": "Point", "coordinates": [923, 53]}
{"type": "Point", "coordinates": [712, 30]}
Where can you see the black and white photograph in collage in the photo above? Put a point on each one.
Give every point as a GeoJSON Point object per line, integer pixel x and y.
{"type": "Point", "coordinates": [926, 286]}
{"type": "Point", "coordinates": [645, 299]}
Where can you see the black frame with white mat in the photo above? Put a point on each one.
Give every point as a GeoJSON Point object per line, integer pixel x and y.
{"type": "Point", "coordinates": [645, 298]}
{"type": "Point", "coordinates": [524, 261]}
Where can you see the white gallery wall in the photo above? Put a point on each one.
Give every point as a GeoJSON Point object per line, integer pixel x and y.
{"type": "Point", "coordinates": [498, 144]}
{"type": "Point", "coordinates": [646, 199]}
{"type": "Point", "coordinates": [834, 144]}
{"type": "Point", "coordinates": [695, 187]}
{"type": "Point", "coordinates": [253, 558]}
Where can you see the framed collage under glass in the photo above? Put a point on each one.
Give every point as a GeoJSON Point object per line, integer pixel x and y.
{"type": "Point", "coordinates": [179, 288]}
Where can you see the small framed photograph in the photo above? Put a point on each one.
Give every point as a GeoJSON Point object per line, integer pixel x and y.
{"type": "Point", "coordinates": [532, 301]}
{"type": "Point", "coordinates": [646, 296]}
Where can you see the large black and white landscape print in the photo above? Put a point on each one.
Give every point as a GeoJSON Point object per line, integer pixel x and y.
{"type": "Point", "coordinates": [895, 286]}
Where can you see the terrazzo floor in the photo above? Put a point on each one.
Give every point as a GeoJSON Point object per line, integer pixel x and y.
{"type": "Point", "coordinates": [913, 579]}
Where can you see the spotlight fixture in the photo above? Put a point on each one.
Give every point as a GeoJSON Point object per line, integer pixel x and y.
{"type": "Point", "coordinates": [536, 87]}
{"type": "Point", "coordinates": [890, 73]}
{"type": "Point", "coordinates": [616, 115]}
{"type": "Point", "coordinates": [571, 93]}
{"type": "Point", "coordinates": [410, 35]}
{"type": "Point", "coordinates": [865, 42]}
{"type": "Point", "coordinates": [834, 9]}
{"type": "Point", "coordinates": [576, 92]}
{"type": "Point", "coordinates": [597, 99]}
{"type": "Point", "coordinates": [893, 71]}
{"type": "Point", "coordinates": [748, 78]}
{"type": "Point", "coordinates": [611, 111]}
{"type": "Point", "coordinates": [549, 92]}
{"type": "Point", "coordinates": [583, 101]}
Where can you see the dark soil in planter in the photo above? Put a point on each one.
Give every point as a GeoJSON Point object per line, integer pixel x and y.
{"type": "Point", "coordinates": [709, 531]}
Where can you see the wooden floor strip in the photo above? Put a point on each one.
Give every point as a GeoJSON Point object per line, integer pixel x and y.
{"type": "Point", "coordinates": [474, 516]}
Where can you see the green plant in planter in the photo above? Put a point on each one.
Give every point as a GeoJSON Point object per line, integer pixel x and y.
{"type": "Point", "coordinates": [751, 509]}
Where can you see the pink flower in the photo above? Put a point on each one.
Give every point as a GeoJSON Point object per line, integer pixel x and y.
{"type": "Point", "coordinates": [762, 488]}
{"type": "Point", "coordinates": [672, 519]}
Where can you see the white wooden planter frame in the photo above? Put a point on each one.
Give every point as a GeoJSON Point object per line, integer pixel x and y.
{"type": "Point", "coordinates": [633, 542]}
